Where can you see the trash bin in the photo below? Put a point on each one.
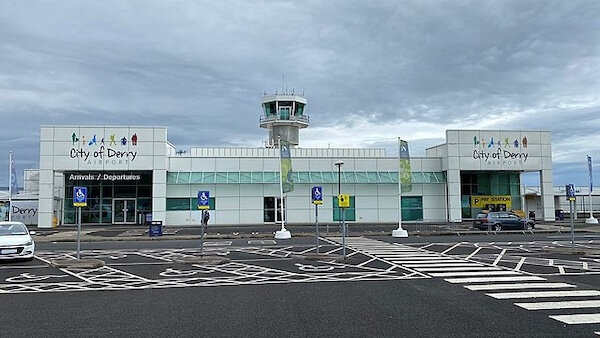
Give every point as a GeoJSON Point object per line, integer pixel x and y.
{"type": "Point", "coordinates": [155, 229]}
{"type": "Point", "coordinates": [559, 215]}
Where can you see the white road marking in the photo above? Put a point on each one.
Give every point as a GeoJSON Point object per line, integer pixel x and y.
{"type": "Point", "coordinates": [573, 304]}
{"type": "Point", "coordinates": [473, 273]}
{"type": "Point", "coordinates": [588, 318]}
{"type": "Point", "coordinates": [494, 279]}
{"type": "Point", "coordinates": [544, 294]}
{"type": "Point", "coordinates": [490, 287]}
{"type": "Point", "coordinates": [445, 264]}
{"type": "Point", "coordinates": [459, 268]}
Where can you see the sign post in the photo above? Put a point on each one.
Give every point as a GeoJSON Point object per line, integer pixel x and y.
{"type": "Point", "coordinates": [317, 198]}
{"type": "Point", "coordinates": [343, 203]}
{"type": "Point", "coordinates": [79, 200]}
{"type": "Point", "coordinates": [570, 188]}
{"type": "Point", "coordinates": [203, 204]}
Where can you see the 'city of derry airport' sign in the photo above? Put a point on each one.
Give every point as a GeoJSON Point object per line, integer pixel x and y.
{"type": "Point", "coordinates": [511, 151]}
{"type": "Point", "coordinates": [100, 151]}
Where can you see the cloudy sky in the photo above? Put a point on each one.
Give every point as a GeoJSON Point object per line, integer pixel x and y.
{"type": "Point", "coordinates": [371, 70]}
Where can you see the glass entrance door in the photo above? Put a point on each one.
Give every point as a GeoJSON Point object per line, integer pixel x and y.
{"type": "Point", "coordinates": [272, 209]}
{"type": "Point", "coordinates": [124, 210]}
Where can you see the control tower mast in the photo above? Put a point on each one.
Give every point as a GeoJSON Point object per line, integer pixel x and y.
{"type": "Point", "coordinates": [284, 115]}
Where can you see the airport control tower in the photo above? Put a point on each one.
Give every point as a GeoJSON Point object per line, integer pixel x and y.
{"type": "Point", "coordinates": [284, 115]}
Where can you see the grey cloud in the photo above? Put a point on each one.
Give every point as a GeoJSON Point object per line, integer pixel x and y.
{"type": "Point", "coordinates": [199, 68]}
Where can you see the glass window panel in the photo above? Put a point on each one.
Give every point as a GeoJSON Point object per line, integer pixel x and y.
{"type": "Point", "coordinates": [209, 177]}
{"type": "Point", "coordinates": [386, 177]}
{"type": "Point", "coordinates": [178, 204]}
{"type": "Point", "coordinates": [271, 177]}
{"type": "Point", "coordinates": [361, 177]}
{"type": "Point", "coordinates": [440, 177]}
{"type": "Point", "coordinates": [171, 178]}
{"type": "Point", "coordinates": [257, 177]}
{"type": "Point", "coordinates": [328, 177]}
{"type": "Point", "coordinates": [221, 177]}
{"type": "Point", "coordinates": [233, 177]}
{"type": "Point", "coordinates": [303, 177]}
{"type": "Point", "coordinates": [418, 177]}
{"type": "Point", "coordinates": [348, 177]}
{"type": "Point", "coordinates": [183, 178]}
{"type": "Point", "coordinates": [316, 177]}
{"type": "Point", "coordinates": [373, 177]}
{"type": "Point", "coordinates": [245, 177]}
{"type": "Point", "coordinates": [196, 177]}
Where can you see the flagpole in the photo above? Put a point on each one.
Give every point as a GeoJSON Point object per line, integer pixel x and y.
{"type": "Point", "coordinates": [10, 162]}
{"type": "Point", "coordinates": [399, 232]}
{"type": "Point", "coordinates": [590, 220]}
{"type": "Point", "coordinates": [283, 233]}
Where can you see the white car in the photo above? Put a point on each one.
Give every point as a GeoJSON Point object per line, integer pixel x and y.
{"type": "Point", "coordinates": [16, 241]}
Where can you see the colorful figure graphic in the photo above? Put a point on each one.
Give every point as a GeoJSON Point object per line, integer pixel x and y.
{"type": "Point", "coordinates": [123, 141]}
{"type": "Point", "coordinates": [516, 143]}
{"type": "Point", "coordinates": [102, 141]}
{"type": "Point", "coordinates": [112, 140]}
{"type": "Point", "coordinates": [134, 140]}
{"type": "Point", "coordinates": [92, 141]}
{"type": "Point", "coordinates": [83, 140]}
{"type": "Point", "coordinates": [74, 138]}
{"type": "Point", "coordinates": [524, 142]}
{"type": "Point", "coordinates": [475, 140]}
{"type": "Point", "coordinates": [506, 142]}
{"type": "Point", "coordinates": [491, 144]}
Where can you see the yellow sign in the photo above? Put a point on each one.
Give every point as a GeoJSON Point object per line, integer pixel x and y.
{"type": "Point", "coordinates": [484, 201]}
{"type": "Point", "coordinates": [344, 201]}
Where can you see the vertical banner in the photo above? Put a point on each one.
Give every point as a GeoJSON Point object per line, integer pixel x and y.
{"type": "Point", "coordinates": [14, 185]}
{"type": "Point", "coordinates": [287, 181]}
{"type": "Point", "coordinates": [590, 169]}
{"type": "Point", "coordinates": [404, 174]}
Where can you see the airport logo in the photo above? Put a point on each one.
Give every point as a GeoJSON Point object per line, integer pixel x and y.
{"type": "Point", "coordinates": [506, 152]}
{"type": "Point", "coordinates": [97, 150]}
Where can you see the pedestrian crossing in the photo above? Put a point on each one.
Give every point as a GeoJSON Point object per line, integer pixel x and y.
{"type": "Point", "coordinates": [530, 292]}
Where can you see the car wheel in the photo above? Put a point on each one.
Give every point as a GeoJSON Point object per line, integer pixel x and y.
{"type": "Point", "coordinates": [497, 227]}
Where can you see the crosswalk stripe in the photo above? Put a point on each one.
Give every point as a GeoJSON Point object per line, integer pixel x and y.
{"type": "Point", "coordinates": [439, 265]}
{"type": "Point", "coordinates": [494, 279]}
{"type": "Point", "coordinates": [587, 318]}
{"type": "Point", "coordinates": [460, 268]}
{"type": "Point", "coordinates": [573, 304]}
{"type": "Point", "coordinates": [473, 273]}
{"type": "Point", "coordinates": [447, 260]}
{"type": "Point", "coordinates": [424, 258]}
{"type": "Point", "coordinates": [489, 287]}
{"type": "Point", "coordinates": [544, 294]}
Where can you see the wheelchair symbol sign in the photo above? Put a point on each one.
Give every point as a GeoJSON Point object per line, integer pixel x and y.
{"type": "Point", "coordinates": [317, 195]}
{"type": "Point", "coordinates": [570, 188]}
{"type": "Point", "coordinates": [79, 196]}
{"type": "Point", "coordinates": [203, 199]}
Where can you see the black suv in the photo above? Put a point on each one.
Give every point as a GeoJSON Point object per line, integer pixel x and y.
{"type": "Point", "coordinates": [499, 220]}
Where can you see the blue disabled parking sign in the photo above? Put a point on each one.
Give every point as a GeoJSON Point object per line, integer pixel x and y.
{"type": "Point", "coordinates": [317, 195]}
{"type": "Point", "coordinates": [203, 199]}
{"type": "Point", "coordinates": [79, 196]}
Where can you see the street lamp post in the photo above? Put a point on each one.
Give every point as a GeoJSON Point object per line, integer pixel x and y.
{"type": "Point", "coordinates": [339, 164]}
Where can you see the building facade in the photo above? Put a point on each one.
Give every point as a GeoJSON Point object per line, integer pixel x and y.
{"type": "Point", "coordinates": [132, 172]}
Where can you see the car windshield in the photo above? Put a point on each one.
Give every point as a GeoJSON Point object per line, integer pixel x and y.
{"type": "Point", "coordinates": [12, 229]}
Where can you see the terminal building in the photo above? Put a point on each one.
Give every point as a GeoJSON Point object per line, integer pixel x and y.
{"type": "Point", "coordinates": [133, 173]}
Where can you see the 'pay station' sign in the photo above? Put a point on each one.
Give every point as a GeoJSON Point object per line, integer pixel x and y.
{"type": "Point", "coordinates": [483, 201]}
